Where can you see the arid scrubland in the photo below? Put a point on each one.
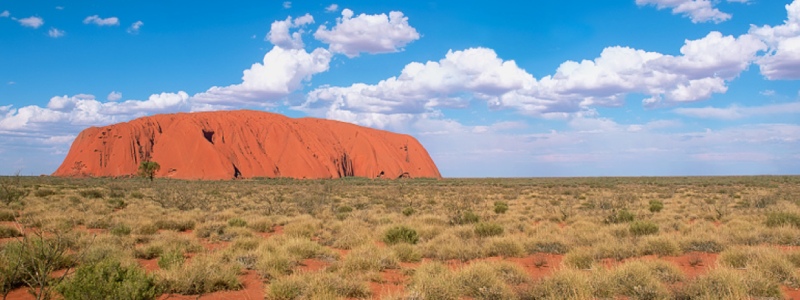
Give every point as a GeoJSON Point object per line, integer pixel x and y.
{"type": "Point", "coordinates": [566, 238]}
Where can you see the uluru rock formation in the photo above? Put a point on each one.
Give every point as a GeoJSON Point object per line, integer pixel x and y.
{"type": "Point", "coordinates": [245, 144]}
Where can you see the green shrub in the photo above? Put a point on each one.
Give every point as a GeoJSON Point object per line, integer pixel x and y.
{"type": "Point", "coordinates": [108, 279]}
{"type": "Point", "coordinates": [484, 229]}
{"type": "Point", "coordinates": [177, 225]}
{"type": "Point", "coordinates": [640, 228]}
{"type": "Point", "coordinates": [344, 209]}
{"type": "Point", "coordinates": [467, 217]}
{"type": "Point", "coordinates": [580, 259]}
{"type": "Point", "coordinates": [92, 194]}
{"type": "Point", "coordinates": [500, 207]}
{"type": "Point", "coordinates": [656, 206]}
{"type": "Point", "coordinates": [208, 229]}
{"type": "Point", "coordinates": [406, 253]}
{"type": "Point", "coordinates": [137, 195]}
{"type": "Point", "coordinates": [717, 284]}
{"type": "Point", "coordinates": [289, 288]}
{"type": "Point", "coordinates": [146, 229]}
{"type": "Point", "coordinates": [272, 265]}
{"type": "Point", "coordinates": [120, 229]}
{"type": "Point", "coordinates": [621, 216]}
{"type": "Point", "coordinates": [201, 275]}
{"type": "Point", "coordinates": [7, 215]}
{"type": "Point", "coordinates": [434, 280]}
{"type": "Point", "coordinates": [171, 259]}
{"type": "Point", "coordinates": [261, 225]}
{"type": "Point", "coordinates": [237, 222]}
{"type": "Point", "coordinates": [9, 232]}
{"type": "Point", "coordinates": [408, 211]}
{"type": "Point", "coordinates": [400, 234]}
{"type": "Point", "coordinates": [776, 219]}
{"type": "Point", "coordinates": [116, 193]}
{"type": "Point", "coordinates": [44, 193]}
{"type": "Point", "coordinates": [116, 203]}
{"type": "Point", "coordinates": [10, 193]}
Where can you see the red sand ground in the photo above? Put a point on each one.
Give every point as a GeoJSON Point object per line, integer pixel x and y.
{"type": "Point", "coordinates": [245, 144]}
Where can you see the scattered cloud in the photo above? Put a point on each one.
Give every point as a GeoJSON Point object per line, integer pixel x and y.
{"type": "Point", "coordinates": [367, 33]}
{"type": "Point", "coordinates": [114, 96]}
{"type": "Point", "coordinates": [97, 20]}
{"type": "Point", "coordinates": [702, 69]}
{"type": "Point", "coordinates": [782, 60]}
{"type": "Point", "coordinates": [134, 28]}
{"type": "Point", "coordinates": [282, 72]}
{"type": "Point", "coordinates": [738, 112]}
{"type": "Point", "coordinates": [287, 4]}
{"type": "Point", "coordinates": [699, 11]}
{"type": "Point", "coordinates": [32, 22]}
{"type": "Point", "coordinates": [68, 114]}
{"type": "Point", "coordinates": [11, 83]}
{"type": "Point", "coordinates": [59, 8]}
{"type": "Point", "coordinates": [55, 32]}
{"type": "Point", "coordinates": [279, 32]}
{"type": "Point", "coordinates": [332, 8]}
{"type": "Point", "coordinates": [767, 92]}
{"type": "Point", "coordinates": [5, 14]}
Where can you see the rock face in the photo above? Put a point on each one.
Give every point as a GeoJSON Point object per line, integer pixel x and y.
{"type": "Point", "coordinates": [245, 144]}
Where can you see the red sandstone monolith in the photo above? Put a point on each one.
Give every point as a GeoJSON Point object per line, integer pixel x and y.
{"type": "Point", "coordinates": [245, 144]}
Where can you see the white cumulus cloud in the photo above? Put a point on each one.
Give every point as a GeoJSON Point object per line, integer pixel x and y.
{"type": "Point", "coordinates": [280, 36]}
{"type": "Point", "coordinates": [703, 69]}
{"type": "Point", "coordinates": [782, 61]}
{"type": "Point", "coordinates": [114, 96]}
{"type": "Point", "coordinates": [134, 28]}
{"type": "Point", "coordinates": [332, 8]}
{"type": "Point", "coordinates": [282, 72]}
{"type": "Point", "coordinates": [368, 33]}
{"type": "Point", "coordinates": [698, 11]}
{"type": "Point", "coordinates": [55, 32]}
{"type": "Point", "coordinates": [97, 20]}
{"type": "Point", "coordinates": [33, 22]}
{"type": "Point", "coordinates": [5, 14]}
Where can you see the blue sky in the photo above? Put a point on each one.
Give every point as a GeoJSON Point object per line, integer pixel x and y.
{"type": "Point", "coordinates": [537, 88]}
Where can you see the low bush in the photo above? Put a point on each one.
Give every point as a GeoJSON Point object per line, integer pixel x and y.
{"type": "Point", "coordinates": [467, 217]}
{"type": "Point", "coordinates": [621, 216]}
{"type": "Point", "coordinates": [400, 234]}
{"type": "Point", "coordinates": [344, 209]}
{"type": "Point", "coordinates": [237, 222]}
{"type": "Point", "coordinates": [7, 215]}
{"type": "Point", "coordinates": [109, 279]}
{"type": "Point", "coordinates": [500, 207]}
{"type": "Point", "coordinates": [408, 211]}
{"type": "Point", "coordinates": [640, 228]}
{"type": "Point", "coordinates": [177, 225]}
{"type": "Point", "coordinates": [776, 219]}
{"type": "Point", "coordinates": [201, 275]}
{"type": "Point", "coordinates": [171, 259]}
{"type": "Point", "coordinates": [92, 194]}
{"type": "Point", "coordinates": [120, 229]}
{"type": "Point", "coordinates": [488, 229]}
{"type": "Point", "coordinates": [434, 280]}
{"type": "Point", "coordinates": [44, 193]}
{"type": "Point", "coordinates": [9, 232]}
{"type": "Point", "coordinates": [406, 252]}
{"type": "Point", "coordinates": [317, 285]}
{"type": "Point", "coordinates": [582, 259]}
{"type": "Point", "coordinates": [656, 206]}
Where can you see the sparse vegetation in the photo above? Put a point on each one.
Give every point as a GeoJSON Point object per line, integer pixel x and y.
{"type": "Point", "coordinates": [428, 239]}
